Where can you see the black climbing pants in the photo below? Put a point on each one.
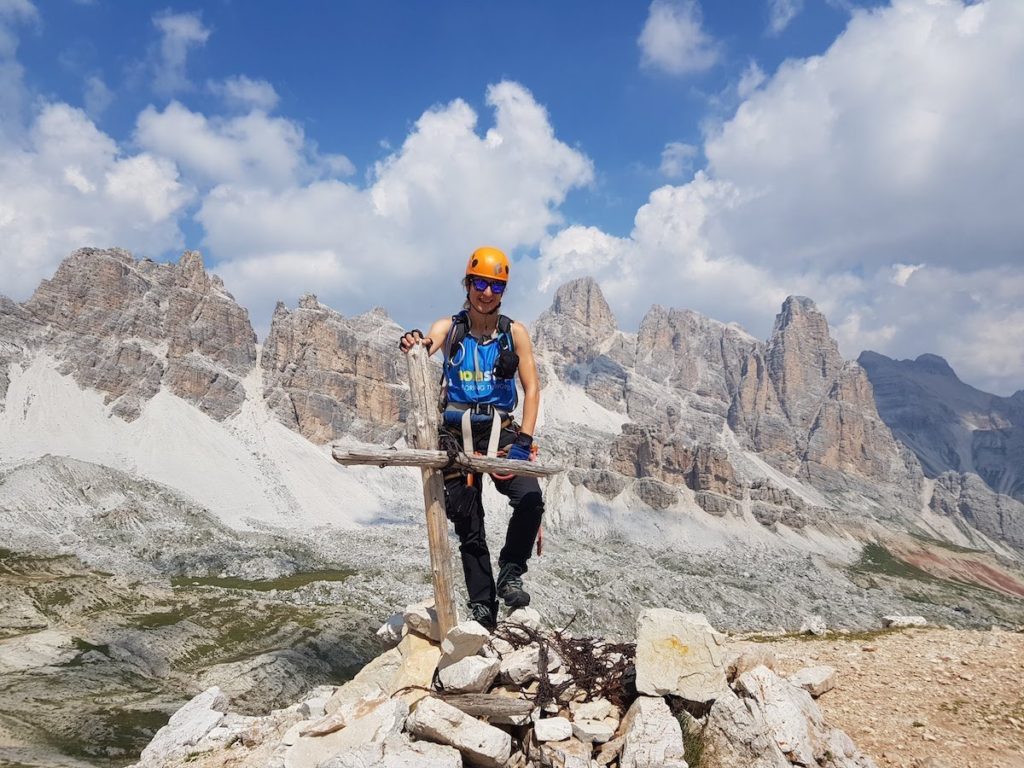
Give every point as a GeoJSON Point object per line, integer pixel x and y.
{"type": "Point", "coordinates": [465, 508]}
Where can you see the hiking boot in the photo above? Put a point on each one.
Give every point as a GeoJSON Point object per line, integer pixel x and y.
{"type": "Point", "coordinates": [485, 614]}
{"type": "Point", "coordinates": [510, 586]}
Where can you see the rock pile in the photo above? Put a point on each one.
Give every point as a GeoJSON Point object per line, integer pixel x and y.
{"type": "Point", "coordinates": [523, 697]}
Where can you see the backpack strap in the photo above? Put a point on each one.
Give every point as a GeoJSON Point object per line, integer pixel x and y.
{"type": "Point", "coordinates": [505, 338]}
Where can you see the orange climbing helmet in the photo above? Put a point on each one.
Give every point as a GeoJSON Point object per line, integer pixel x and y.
{"type": "Point", "coordinates": [488, 262]}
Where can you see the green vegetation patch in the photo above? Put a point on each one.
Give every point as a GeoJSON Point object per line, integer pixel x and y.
{"type": "Point", "coordinates": [294, 581]}
{"type": "Point", "coordinates": [948, 545]}
{"type": "Point", "coordinates": [159, 619]}
{"type": "Point", "coordinates": [111, 733]}
{"type": "Point", "coordinates": [845, 636]}
{"type": "Point", "coordinates": [875, 558]}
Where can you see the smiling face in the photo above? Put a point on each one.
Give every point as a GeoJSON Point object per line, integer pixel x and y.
{"type": "Point", "coordinates": [485, 295]}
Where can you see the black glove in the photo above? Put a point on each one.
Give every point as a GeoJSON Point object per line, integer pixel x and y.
{"type": "Point", "coordinates": [415, 333]}
{"type": "Point", "coordinates": [520, 449]}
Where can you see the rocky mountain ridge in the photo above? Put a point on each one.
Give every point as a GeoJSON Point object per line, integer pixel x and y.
{"type": "Point", "coordinates": [950, 425]}
{"type": "Point", "coordinates": [127, 327]}
{"type": "Point", "coordinates": [687, 414]}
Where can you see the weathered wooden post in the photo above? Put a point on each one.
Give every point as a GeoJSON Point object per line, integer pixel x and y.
{"type": "Point", "coordinates": [422, 432]}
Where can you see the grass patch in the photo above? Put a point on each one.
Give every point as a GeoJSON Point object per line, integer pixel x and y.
{"type": "Point", "coordinates": [160, 619]}
{"type": "Point", "coordinates": [111, 733]}
{"type": "Point", "coordinates": [858, 636]}
{"type": "Point", "coordinates": [693, 741]}
{"type": "Point", "coordinates": [293, 581]}
{"type": "Point", "coordinates": [943, 544]}
{"type": "Point", "coordinates": [875, 558]}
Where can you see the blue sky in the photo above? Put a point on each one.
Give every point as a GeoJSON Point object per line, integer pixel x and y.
{"type": "Point", "coordinates": [704, 155]}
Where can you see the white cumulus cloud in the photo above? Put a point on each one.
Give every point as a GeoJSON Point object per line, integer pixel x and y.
{"type": "Point", "coordinates": [179, 34]}
{"type": "Point", "coordinates": [781, 13]}
{"type": "Point", "coordinates": [70, 186]}
{"type": "Point", "coordinates": [245, 93]}
{"type": "Point", "coordinates": [673, 39]}
{"type": "Point", "coordinates": [677, 159]}
{"type": "Point", "coordinates": [401, 241]}
{"type": "Point", "coordinates": [97, 96]}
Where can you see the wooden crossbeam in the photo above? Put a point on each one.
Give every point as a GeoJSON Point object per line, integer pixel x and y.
{"type": "Point", "coordinates": [413, 457]}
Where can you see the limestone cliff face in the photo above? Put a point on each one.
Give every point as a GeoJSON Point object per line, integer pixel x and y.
{"type": "Point", "coordinates": [806, 409]}
{"type": "Point", "coordinates": [127, 327]}
{"type": "Point", "coordinates": [328, 376]}
{"type": "Point", "coordinates": [578, 336]}
{"type": "Point", "coordinates": [17, 332]}
{"type": "Point", "coordinates": [950, 425]}
{"type": "Point", "coordinates": [695, 390]}
{"type": "Point", "coordinates": [967, 499]}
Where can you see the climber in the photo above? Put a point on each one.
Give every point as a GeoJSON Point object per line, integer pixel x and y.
{"type": "Point", "coordinates": [483, 351]}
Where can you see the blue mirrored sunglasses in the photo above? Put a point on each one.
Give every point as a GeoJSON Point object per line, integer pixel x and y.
{"type": "Point", "coordinates": [481, 283]}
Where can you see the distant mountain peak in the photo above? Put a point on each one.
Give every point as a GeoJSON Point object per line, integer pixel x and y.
{"type": "Point", "coordinates": [582, 300]}
{"type": "Point", "coordinates": [935, 364]}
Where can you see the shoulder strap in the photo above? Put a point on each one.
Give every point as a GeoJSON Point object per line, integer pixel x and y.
{"type": "Point", "coordinates": [456, 333]}
{"type": "Point", "coordinates": [505, 333]}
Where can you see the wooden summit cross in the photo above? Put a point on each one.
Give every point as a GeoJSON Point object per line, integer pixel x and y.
{"type": "Point", "coordinates": [422, 432]}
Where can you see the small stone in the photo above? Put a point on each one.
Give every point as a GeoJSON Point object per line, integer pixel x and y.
{"type": "Point", "coordinates": [552, 729]}
{"type": "Point", "coordinates": [813, 625]}
{"type": "Point", "coordinates": [598, 709]}
{"type": "Point", "coordinates": [815, 680]}
{"type": "Point", "coordinates": [473, 674]}
{"type": "Point", "coordinates": [594, 731]}
{"type": "Point", "coordinates": [464, 639]}
{"type": "Point", "coordinates": [391, 631]}
{"type": "Point", "coordinates": [422, 619]}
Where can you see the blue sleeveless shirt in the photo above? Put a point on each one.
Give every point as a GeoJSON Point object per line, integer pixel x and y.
{"type": "Point", "coordinates": [469, 373]}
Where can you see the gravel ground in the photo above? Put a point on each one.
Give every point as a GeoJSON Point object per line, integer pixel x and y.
{"type": "Point", "coordinates": [923, 698]}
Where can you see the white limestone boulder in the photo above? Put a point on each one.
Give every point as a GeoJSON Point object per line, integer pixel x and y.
{"type": "Point", "coordinates": [473, 674]}
{"type": "Point", "coordinates": [737, 736]}
{"type": "Point", "coordinates": [793, 719]}
{"type": "Point", "coordinates": [679, 654]}
{"type": "Point", "coordinates": [392, 630]}
{"type": "Point", "coordinates": [419, 657]}
{"type": "Point", "coordinates": [478, 742]}
{"type": "Point", "coordinates": [743, 660]}
{"type": "Point", "coordinates": [186, 727]}
{"type": "Point", "coordinates": [598, 709]}
{"type": "Point", "coordinates": [594, 731]}
{"type": "Point", "coordinates": [552, 729]}
{"type": "Point", "coordinates": [398, 751]}
{"type": "Point", "coordinates": [814, 680]}
{"type": "Point", "coordinates": [422, 619]}
{"type": "Point", "coordinates": [528, 617]}
{"type": "Point", "coordinates": [571, 753]}
{"type": "Point", "coordinates": [813, 625]}
{"type": "Point", "coordinates": [464, 639]}
{"type": "Point", "coordinates": [523, 665]}
{"type": "Point", "coordinates": [375, 676]}
{"type": "Point", "coordinates": [369, 720]}
{"type": "Point", "coordinates": [652, 736]}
